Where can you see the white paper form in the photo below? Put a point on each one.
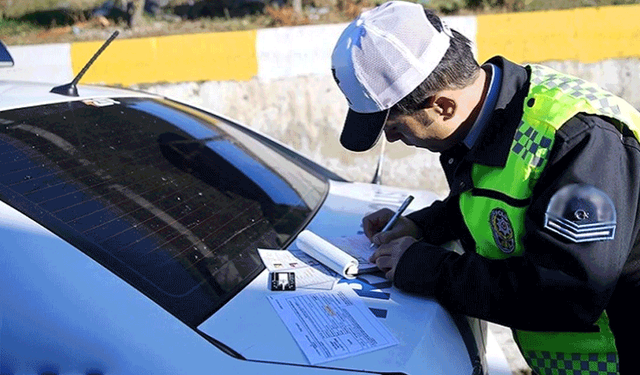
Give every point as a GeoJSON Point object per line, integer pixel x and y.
{"type": "Point", "coordinates": [359, 247]}
{"type": "Point", "coordinates": [310, 273]}
{"type": "Point", "coordinates": [331, 325]}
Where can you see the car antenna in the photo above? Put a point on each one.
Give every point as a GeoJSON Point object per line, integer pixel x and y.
{"type": "Point", "coordinates": [71, 89]}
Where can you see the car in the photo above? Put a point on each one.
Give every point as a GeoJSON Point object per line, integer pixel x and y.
{"type": "Point", "coordinates": [130, 225]}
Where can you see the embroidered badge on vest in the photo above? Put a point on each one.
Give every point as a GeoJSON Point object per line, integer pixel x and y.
{"type": "Point", "coordinates": [502, 230]}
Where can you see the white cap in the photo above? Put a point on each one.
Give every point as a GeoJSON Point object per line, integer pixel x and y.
{"type": "Point", "coordinates": [381, 57]}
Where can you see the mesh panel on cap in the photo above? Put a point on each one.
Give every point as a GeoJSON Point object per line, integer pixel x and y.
{"type": "Point", "coordinates": [414, 29]}
{"type": "Point", "coordinates": [418, 45]}
{"type": "Point", "coordinates": [394, 43]}
{"type": "Point", "coordinates": [377, 61]}
{"type": "Point", "coordinates": [385, 54]}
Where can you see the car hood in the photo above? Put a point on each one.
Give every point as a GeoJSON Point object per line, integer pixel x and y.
{"type": "Point", "coordinates": [429, 340]}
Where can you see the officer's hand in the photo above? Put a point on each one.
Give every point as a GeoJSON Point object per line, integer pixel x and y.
{"type": "Point", "coordinates": [388, 255]}
{"type": "Point", "coordinates": [374, 222]}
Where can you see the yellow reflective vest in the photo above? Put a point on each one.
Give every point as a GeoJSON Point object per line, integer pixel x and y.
{"type": "Point", "coordinates": [494, 210]}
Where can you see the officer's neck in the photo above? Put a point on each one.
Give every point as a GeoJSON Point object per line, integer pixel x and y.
{"type": "Point", "coordinates": [468, 102]}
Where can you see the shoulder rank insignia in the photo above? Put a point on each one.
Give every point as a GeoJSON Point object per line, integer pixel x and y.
{"type": "Point", "coordinates": [581, 213]}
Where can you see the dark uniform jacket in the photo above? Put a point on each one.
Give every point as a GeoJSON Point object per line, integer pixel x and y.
{"type": "Point", "coordinates": [557, 285]}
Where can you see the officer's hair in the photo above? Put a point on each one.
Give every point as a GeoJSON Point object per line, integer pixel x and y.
{"type": "Point", "coordinates": [457, 69]}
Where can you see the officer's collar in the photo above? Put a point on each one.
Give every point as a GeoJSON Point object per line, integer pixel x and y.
{"type": "Point", "coordinates": [490, 146]}
{"type": "Point", "coordinates": [495, 78]}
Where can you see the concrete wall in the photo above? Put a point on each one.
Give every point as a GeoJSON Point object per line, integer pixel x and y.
{"type": "Point", "coordinates": [278, 80]}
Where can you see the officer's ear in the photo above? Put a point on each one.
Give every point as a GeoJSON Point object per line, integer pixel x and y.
{"type": "Point", "coordinates": [444, 107]}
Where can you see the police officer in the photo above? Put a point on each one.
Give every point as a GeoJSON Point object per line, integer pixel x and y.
{"type": "Point", "coordinates": [544, 176]}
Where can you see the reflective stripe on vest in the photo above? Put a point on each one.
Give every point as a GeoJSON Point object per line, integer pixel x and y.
{"type": "Point", "coordinates": [494, 209]}
{"type": "Point", "coordinates": [570, 352]}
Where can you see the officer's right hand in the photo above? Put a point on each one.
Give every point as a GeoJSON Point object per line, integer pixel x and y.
{"type": "Point", "coordinates": [374, 222]}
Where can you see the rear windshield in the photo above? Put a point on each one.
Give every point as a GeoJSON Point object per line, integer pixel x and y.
{"type": "Point", "coordinates": [171, 199]}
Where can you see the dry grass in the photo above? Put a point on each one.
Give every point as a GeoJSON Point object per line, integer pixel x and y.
{"type": "Point", "coordinates": [286, 16]}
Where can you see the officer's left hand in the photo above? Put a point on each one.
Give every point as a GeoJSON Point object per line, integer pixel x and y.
{"type": "Point", "coordinates": [388, 255]}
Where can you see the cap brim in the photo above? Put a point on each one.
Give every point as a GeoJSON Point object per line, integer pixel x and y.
{"type": "Point", "coordinates": [362, 130]}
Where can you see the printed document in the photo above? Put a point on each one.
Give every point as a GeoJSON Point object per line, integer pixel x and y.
{"type": "Point", "coordinates": [331, 325]}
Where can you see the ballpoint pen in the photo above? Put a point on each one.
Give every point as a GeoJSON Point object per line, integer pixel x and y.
{"type": "Point", "coordinates": [395, 216]}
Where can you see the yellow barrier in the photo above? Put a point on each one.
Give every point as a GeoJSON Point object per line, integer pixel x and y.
{"type": "Point", "coordinates": [583, 34]}
{"type": "Point", "coordinates": [179, 58]}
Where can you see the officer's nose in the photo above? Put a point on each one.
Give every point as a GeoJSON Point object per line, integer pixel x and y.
{"type": "Point", "coordinates": [391, 131]}
{"type": "Point", "coordinates": [391, 134]}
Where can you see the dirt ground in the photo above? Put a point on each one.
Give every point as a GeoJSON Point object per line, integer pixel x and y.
{"type": "Point", "coordinates": [95, 30]}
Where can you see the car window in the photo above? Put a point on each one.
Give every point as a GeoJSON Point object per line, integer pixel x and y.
{"type": "Point", "coordinates": [173, 200]}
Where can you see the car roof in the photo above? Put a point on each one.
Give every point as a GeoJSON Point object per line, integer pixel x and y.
{"type": "Point", "coordinates": [20, 94]}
